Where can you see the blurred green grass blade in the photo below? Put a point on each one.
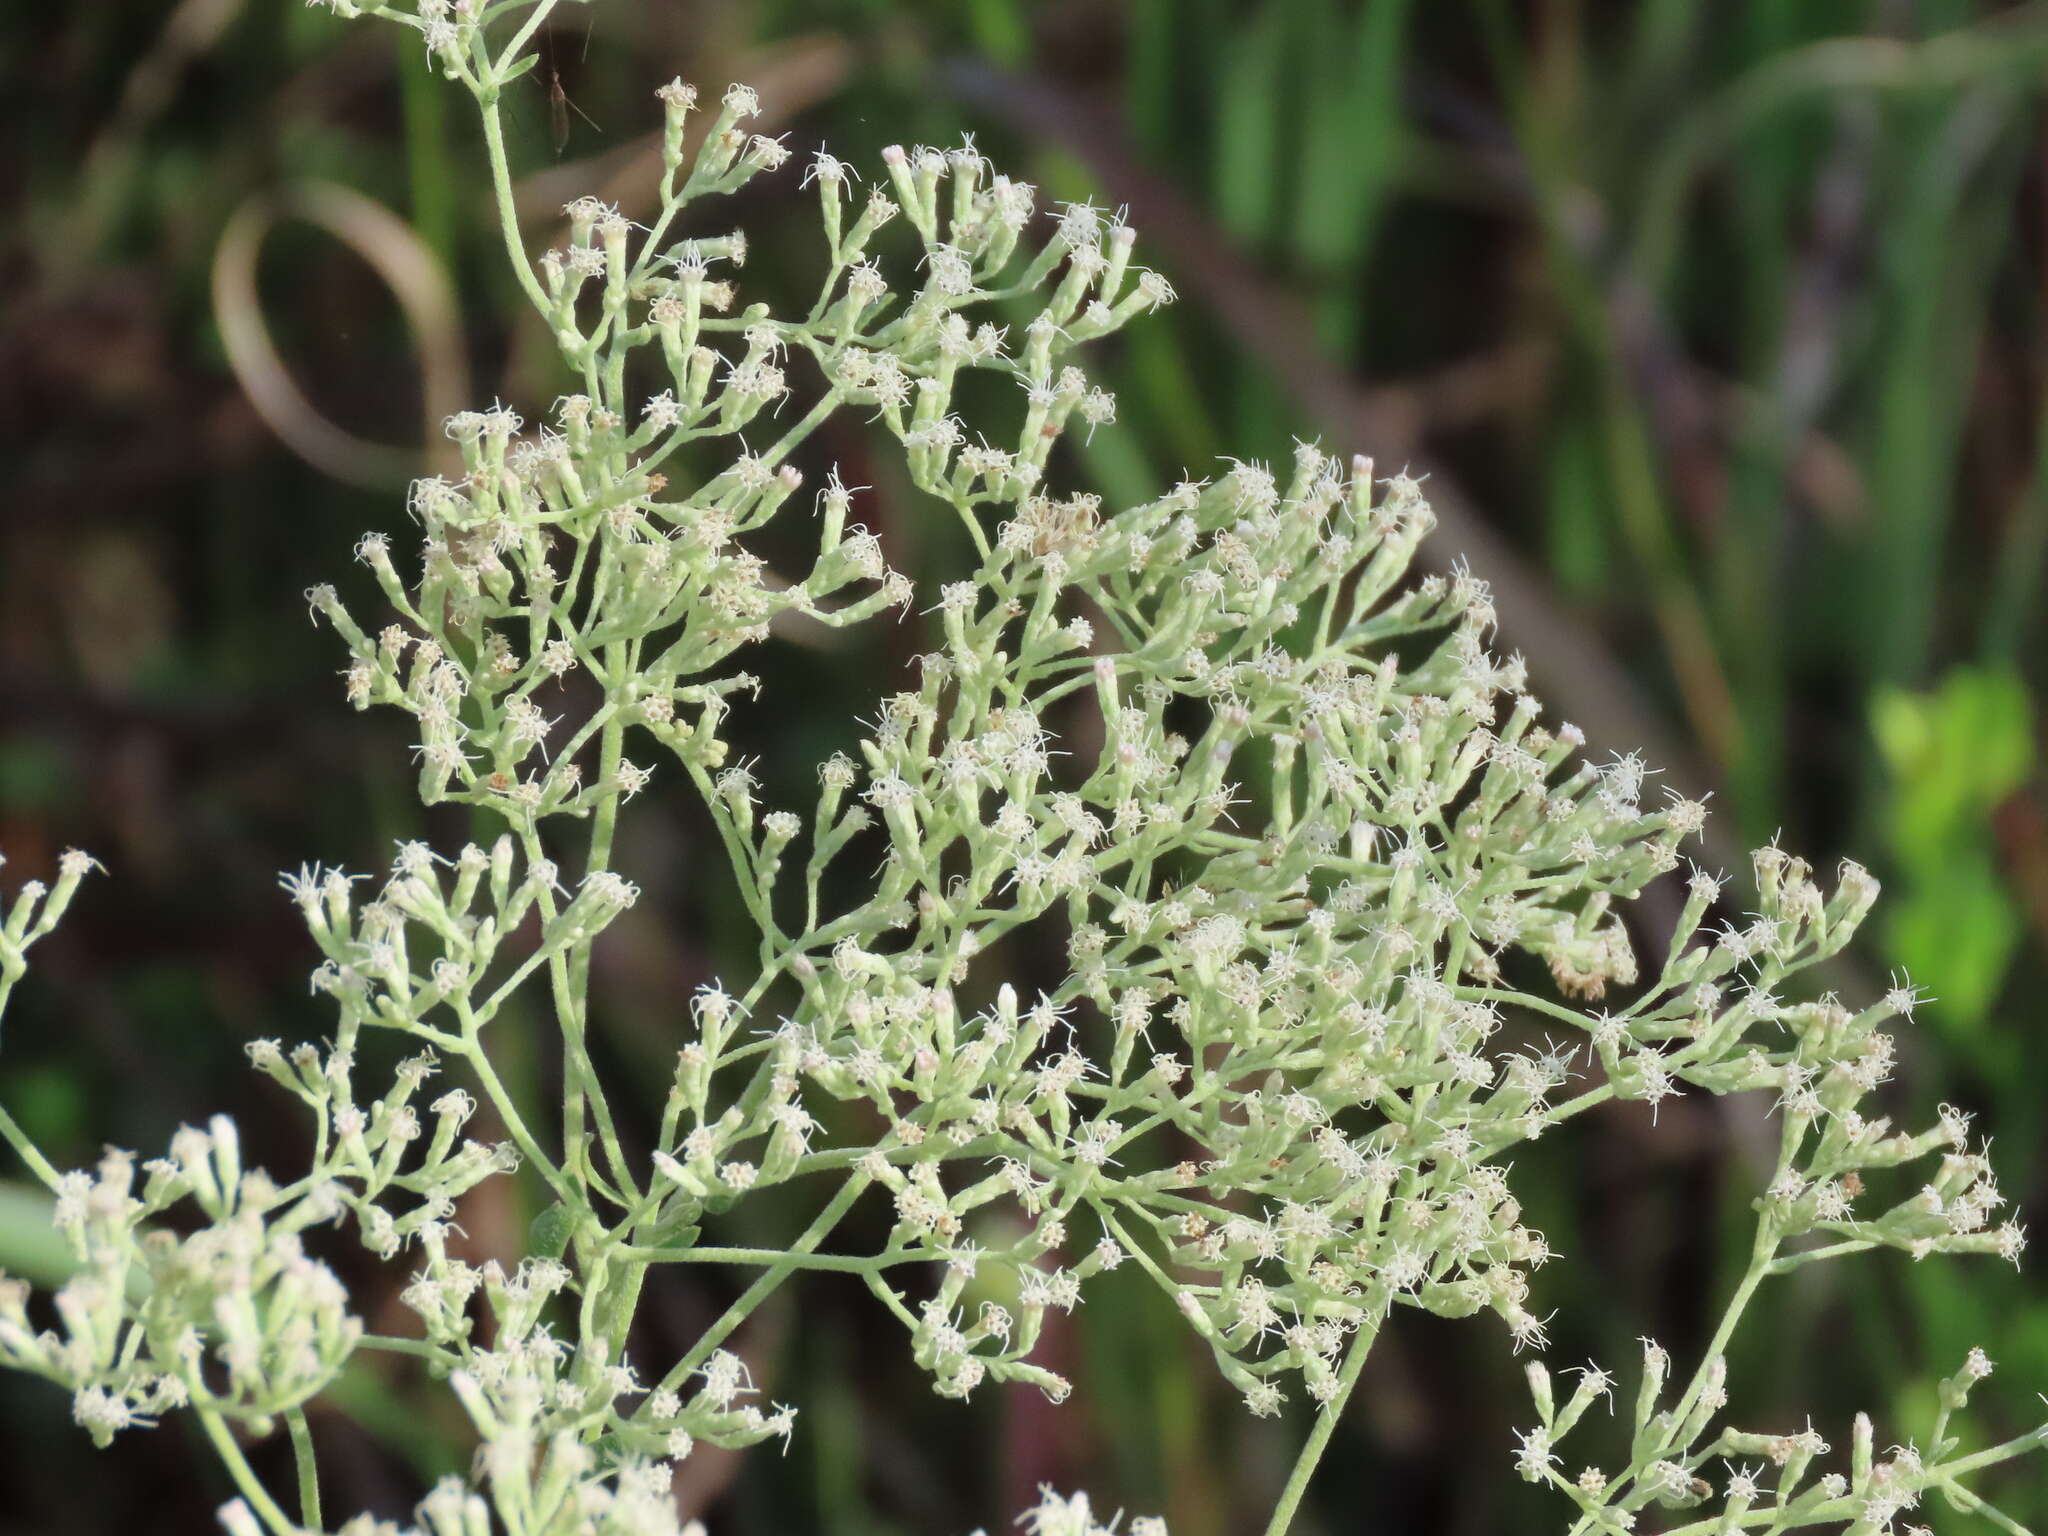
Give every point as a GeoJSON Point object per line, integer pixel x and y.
{"type": "Point", "coordinates": [1164, 377]}
{"type": "Point", "coordinates": [428, 158]}
{"type": "Point", "coordinates": [1349, 146]}
{"type": "Point", "coordinates": [999, 30]}
{"type": "Point", "coordinates": [1501, 40]}
{"type": "Point", "coordinates": [1149, 74]}
{"type": "Point", "coordinates": [1719, 126]}
{"type": "Point", "coordinates": [2013, 608]}
{"type": "Point", "coordinates": [1577, 530]}
{"type": "Point", "coordinates": [29, 1245]}
{"type": "Point", "coordinates": [1749, 559]}
{"type": "Point", "coordinates": [1319, 106]}
{"type": "Point", "coordinates": [1251, 87]}
{"type": "Point", "coordinates": [1659, 52]}
{"type": "Point", "coordinates": [1152, 31]}
{"type": "Point", "coordinates": [1939, 244]}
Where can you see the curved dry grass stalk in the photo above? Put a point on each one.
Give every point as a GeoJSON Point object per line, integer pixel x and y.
{"type": "Point", "coordinates": [401, 258]}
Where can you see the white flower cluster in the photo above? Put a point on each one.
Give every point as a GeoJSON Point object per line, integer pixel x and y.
{"type": "Point", "coordinates": [1072, 1515]}
{"type": "Point", "coordinates": [193, 1285]}
{"type": "Point", "coordinates": [1319, 870]}
{"type": "Point", "coordinates": [1760, 1477]}
{"type": "Point", "coordinates": [640, 1503]}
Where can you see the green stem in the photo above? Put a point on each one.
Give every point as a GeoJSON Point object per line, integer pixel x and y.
{"type": "Point", "coordinates": [508, 215]}
{"type": "Point", "coordinates": [522, 37]}
{"type": "Point", "coordinates": [1765, 1250]}
{"type": "Point", "coordinates": [252, 1490]}
{"type": "Point", "coordinates": [1541, 1005]}
{"type": "Point", "coordinates": [1326, 1424]}
{"type": "Point", "coordinates": [575, 1023]}
{"type": "Point", "coordinates": [309, 1470]}
{"type": "Point", "coordinates": [1760, 1264]}
{"type": "Point", "coordinates": [786, 1265]}
{"type": "Point", "coordinates": [803, 429]}
{"type": "Point", "coordinates": [893, 1302]}
{"type": "Point", "coordinates": [27, 1151]}
{"type": "Point", "coordinates": [2019, 1445]}
{"type": "Point", "coordinates": [1792, 1261]}
{"type": "Point", "coordinates": [843, 1263]}
{"type": "Point", "coordinates": [515, 1125]}
{"type": "Point", "coordinates": [580, 1082]}
{"type": "Point", "coordinates": [421, 1348]}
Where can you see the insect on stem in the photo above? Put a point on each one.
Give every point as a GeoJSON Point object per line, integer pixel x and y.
{"type": "Point", "coordinates": [559, 104]}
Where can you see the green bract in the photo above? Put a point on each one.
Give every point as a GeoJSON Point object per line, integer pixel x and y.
{"type": "Point", "coordinates": [1297, 828]}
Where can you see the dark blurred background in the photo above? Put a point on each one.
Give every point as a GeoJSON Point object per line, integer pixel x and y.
{"type": "Point", "coordinates": [1718, 326]}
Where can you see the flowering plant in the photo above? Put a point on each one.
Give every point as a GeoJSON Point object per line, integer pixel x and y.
{"type": "Point", "coordinates": [1299, 832]}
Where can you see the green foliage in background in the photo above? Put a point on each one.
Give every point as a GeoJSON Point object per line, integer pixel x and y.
{"type": "Point", "coordinates": [1955, 755]}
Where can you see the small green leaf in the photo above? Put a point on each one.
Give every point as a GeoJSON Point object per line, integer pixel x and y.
{"type": "Point", "coordinates": [551, 1231]}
